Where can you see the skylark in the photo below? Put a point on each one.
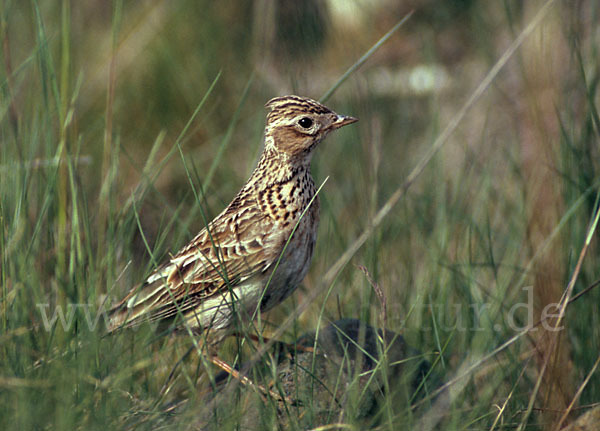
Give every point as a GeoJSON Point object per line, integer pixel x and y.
{"type": "Point", "coordinates": [257, 251]}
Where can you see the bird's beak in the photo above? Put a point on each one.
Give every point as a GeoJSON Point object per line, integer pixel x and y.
{"type": "Point", "coordinates": [343, 120]}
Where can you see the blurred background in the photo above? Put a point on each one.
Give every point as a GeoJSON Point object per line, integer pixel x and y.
{"type": "Point", "coordinates": [105, 169]}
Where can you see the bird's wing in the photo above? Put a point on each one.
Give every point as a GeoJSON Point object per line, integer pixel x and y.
{"type": "Point", "coordinates": [233, 248]}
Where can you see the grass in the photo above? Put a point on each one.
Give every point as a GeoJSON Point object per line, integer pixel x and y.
{"type": "Point", "coordinates": [471, 206]}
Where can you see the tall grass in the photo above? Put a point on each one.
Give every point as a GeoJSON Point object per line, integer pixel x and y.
{"type": "Point", "coordinates": [471, 206]}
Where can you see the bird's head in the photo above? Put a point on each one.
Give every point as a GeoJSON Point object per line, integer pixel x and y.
{"type": "Point", "coordinates": [295, 125]}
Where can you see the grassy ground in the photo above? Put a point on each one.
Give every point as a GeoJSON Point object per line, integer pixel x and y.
{"type": "Point", "coordinates": [122, 124]}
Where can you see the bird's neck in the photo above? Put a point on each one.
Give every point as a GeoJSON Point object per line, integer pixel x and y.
{"type": "Point", "coordinates": [282, 189]}
{"type": "Point", "coordinates": [275, 167]}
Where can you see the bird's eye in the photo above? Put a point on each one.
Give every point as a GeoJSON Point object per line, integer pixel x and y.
{"type": "Point", "coordinates": [305, 122]}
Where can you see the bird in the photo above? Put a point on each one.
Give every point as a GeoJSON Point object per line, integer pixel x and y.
{"type": "Point", "coordinates": [257, 251]}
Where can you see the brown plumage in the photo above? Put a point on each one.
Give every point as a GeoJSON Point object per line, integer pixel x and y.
{"type": "Point", "coordinates": [224, 270]}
